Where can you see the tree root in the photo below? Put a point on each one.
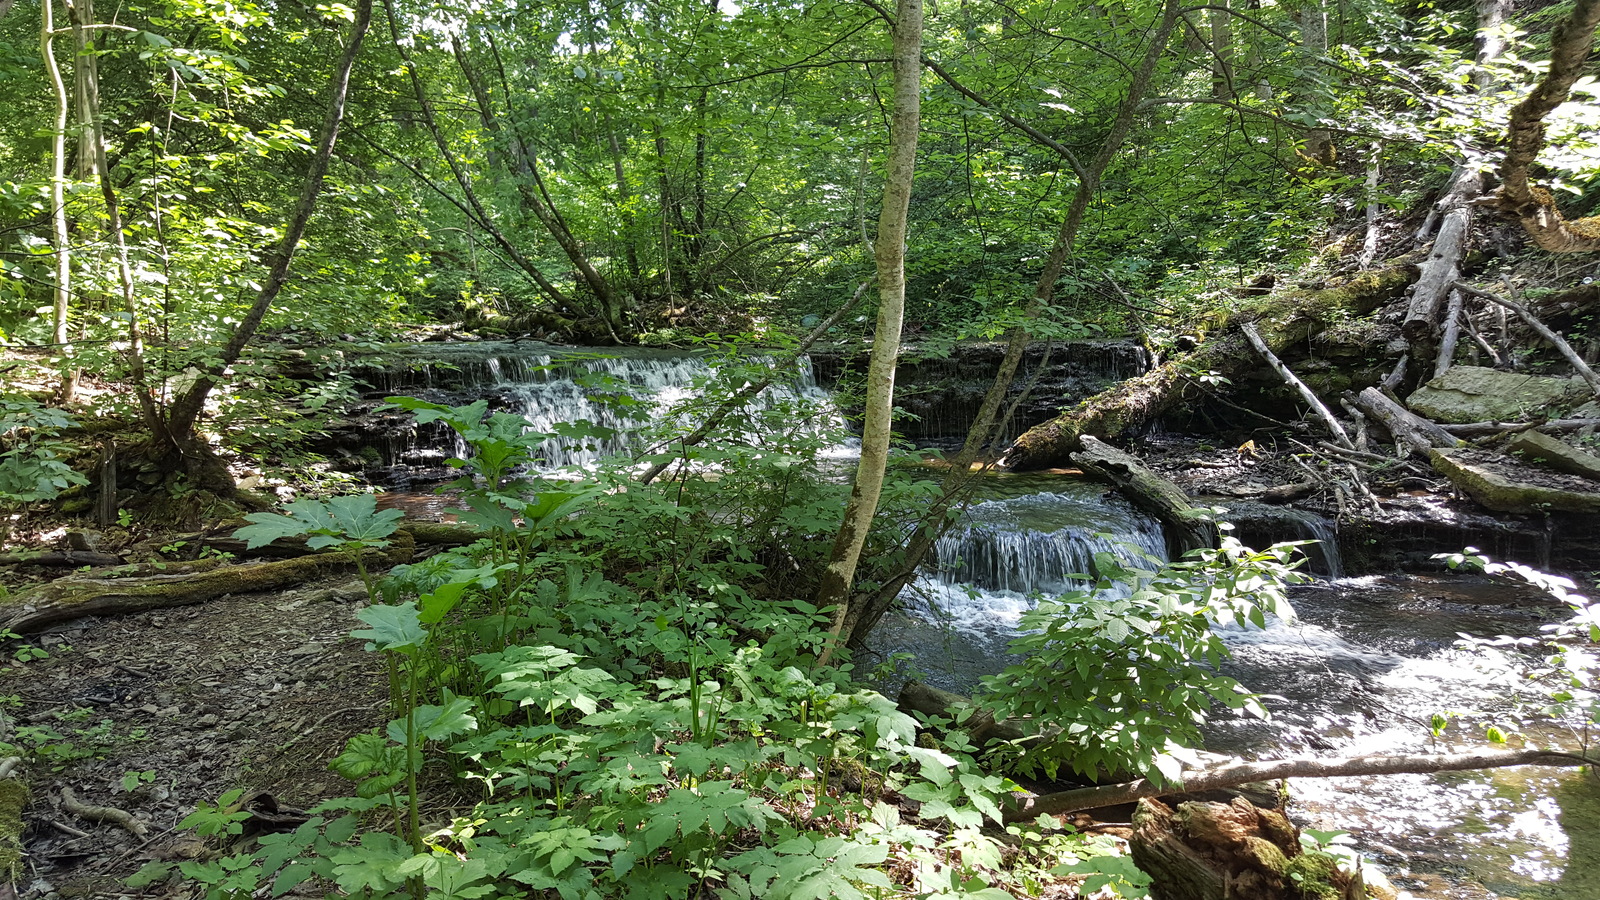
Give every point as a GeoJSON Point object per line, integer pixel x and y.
{"type": "Point", "coordinates": [109, 815]}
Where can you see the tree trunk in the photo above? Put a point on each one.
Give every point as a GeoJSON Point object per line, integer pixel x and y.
{"type": "Point", "coordinates": [185, 411]}
{"type": "Point", "coordinates": [1408, 430]}
{"type": "Point", "coordinates": [988, 424]}
{"type": "Point", "coordinates": [890, 254]}
{"type": "Point", "coordinates": [1534, 207]}
{"type": "Point", "coordinates": [1150, 492]}
{"type": "Point", "coordinates": [1232, 851]}
{"type": "Point", "coordinates": [62, 287]}
{"type": "Point", "coordinates": [1284, 320]}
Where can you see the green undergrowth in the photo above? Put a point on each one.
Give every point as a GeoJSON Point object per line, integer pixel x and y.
{"type": "Point", "coordinates": [623, 676]}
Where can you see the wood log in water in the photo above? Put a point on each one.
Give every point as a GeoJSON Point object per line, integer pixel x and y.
{"type": "Point", "coordinates": [1148, 491]}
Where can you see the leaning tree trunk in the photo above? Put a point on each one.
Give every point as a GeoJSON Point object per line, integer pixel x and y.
{"type": "Point", "coordinates": [1148, 491]}
{"type": "Point", "coordinates": [1283, 320]}
{"type": "Point", "coordinates": [193, 454]}
{"type": "Point", "coordinates": [890, 253]}
{"type": "Point", "coordinates": [1534, 207]}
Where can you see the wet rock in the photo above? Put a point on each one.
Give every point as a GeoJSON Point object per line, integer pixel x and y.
{"type": "Point", "coordinates": [1557, 454]}
{"type": "Point", "coordinates": [1466, 394]}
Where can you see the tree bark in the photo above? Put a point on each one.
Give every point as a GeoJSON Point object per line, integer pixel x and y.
{"type": "Point", "coordinates": [1148, 491]}
{"type": "Point", "coordinates": [1443, 265]}
{"type": "Point", "coordinates": [890, 254]}
{"type": "Point", "coordinates": [1234, 774]}
{"type": "Point", "coordinates": [74, 597]}
{"type": "Point", "coordinates": [1534, 207]}
{"type": "Point", "coordinates": [1408, 430]}
{"type": "Point", "coordinates": [185, 411]}
{"type": "Point", "coordinates": [1284, 320]}
{"type": "Point", "coordinates": [987, 424]}
{"type": "Point", "coordinates": [62, 288]}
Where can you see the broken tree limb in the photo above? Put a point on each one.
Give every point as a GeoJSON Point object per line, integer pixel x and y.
{"type": "Point", "coordinates": [1284, 319]}
{"type": "Point", "coordinates": [980, 724]}
{"type": "Point", "coordinates": [1534, 207]}
{"type": "Point", "coordinates": [1309, 396]}
{"type": "Point", "coordinates": [1233, 774]}
{"type": "Point", "coordinates": [1543, 331]}
{"type": "Point", "coordinates": [75, 596]}
{"type": "Point", "coordinates": [1485, 429]}
{"type": "Point", "coordinates": [1452, 334]}
{"type": "Point", "coordinates": [109, 815]}
{"type": "Point", "coordinates": [1408, 429]}
{"type": "Point", "coordinates": [1148, 491]}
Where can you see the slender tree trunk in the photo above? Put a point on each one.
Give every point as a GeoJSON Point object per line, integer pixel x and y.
{"type": "Point", "coordinates": [890, 254]}
{"type": "Point", "coordinates": [988, 423]}
{"type": "Point", "coordinates": [58, 200]}
{"type": "Point", "coordinates": [186, 409]}
{"type": "Point", "coordinates": [81, 13]}
{"type": "Point", "coordinates": [1443, 266]}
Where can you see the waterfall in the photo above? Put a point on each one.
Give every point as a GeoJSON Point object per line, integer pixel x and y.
{"type": "Point", "coordinates": [622, 393]}
{"type": "Point", "coordinates": [984, 569]}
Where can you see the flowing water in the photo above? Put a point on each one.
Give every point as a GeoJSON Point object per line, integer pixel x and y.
{"type": "Point", "coordinates": [1366, 665]}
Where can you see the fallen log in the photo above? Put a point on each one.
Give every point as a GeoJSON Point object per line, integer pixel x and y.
{"type": "Point", "coordinates": [980, 724]}
{"type": "Point", "coordinates": [76, 596]}
{"type": "Point", "coordinates": [1408, 429]}
{"type": "Point", "coordinates": [1283, 319]}
{"type": "Point", "coordinates": [422, 534]}
{"type": "Point", "coordinates": [1148, 491]}
{"type": "Point", "coordinates": [1025, 808]}
{"type": "Point", "coordinates": [69, 558]}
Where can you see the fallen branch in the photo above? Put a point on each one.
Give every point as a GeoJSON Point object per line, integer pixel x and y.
{"type": "Point", "coordinates": [68, 558]}
{"type": "Point", "coordinates": [106, 814]}
{"type": "Point", "coordinates": [1289, 378]}
{"type": "Point", "coordinates": [1234, 774]}
{"type": "Point", "coordinates": [1543, 330]}
{"type": "Point", "coordinates": [1408, 429]}
{"type": "Point", "coordinates": [76, 596]}
{"type": "Point", "coordinates": [1484, 429]}
{"type": "Point", "coordinates": [1148, 491]}
{"type": "Point", "coordinates": [1452, 335]}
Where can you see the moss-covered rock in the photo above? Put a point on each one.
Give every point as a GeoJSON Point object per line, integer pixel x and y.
{"type": "Point", "coordinates": [1474, 394]}
{"type": "Point", "coordinates": [1488, 483]}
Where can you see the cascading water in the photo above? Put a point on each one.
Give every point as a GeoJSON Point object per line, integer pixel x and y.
{"type": "Point", "coordinates": [1369, 660]}
{"type": "Point", "coordinates": [620, 392]}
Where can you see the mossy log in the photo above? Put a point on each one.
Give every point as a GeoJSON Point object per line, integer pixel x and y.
{"type": "Point", "coordinates": [77, 596]}
{"type": "Point", "coordinates": [1283, 320]}
{"type": "Point", "coordinates": [1148, 491]}
{"type": "Point", "coordinates": [1232, 851]}
{"type": "Point", "coordinates": [13, 802]}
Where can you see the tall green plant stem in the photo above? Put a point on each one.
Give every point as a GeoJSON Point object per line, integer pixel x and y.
{"type": "Point", "coordinates": [890, 255]}
{"type": "Point", "coordinates": [185, 411]}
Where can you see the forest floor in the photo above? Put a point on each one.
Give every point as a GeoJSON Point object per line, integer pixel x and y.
{"type": "Point", "coordinates": [156, 712]}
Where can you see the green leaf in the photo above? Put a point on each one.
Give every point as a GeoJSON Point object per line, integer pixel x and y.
{"type": "Point", "coordinates": [397, 627]}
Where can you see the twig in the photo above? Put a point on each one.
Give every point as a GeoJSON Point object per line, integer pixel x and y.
{"type": "Point", "coordinates": [64, 828]}
{"type": "Point", "coordinates": [107, 814]}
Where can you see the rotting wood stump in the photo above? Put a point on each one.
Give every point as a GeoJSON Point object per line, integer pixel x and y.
{"type": "Point", "coordinates": [1234, 851]}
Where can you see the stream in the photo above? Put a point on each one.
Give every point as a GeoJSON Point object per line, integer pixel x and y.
{"type": "Point", "coordinates": [1369, 661]}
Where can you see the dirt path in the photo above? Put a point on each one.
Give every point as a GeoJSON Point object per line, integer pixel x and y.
{"type": "Point", "coordinates": [256, 692]}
